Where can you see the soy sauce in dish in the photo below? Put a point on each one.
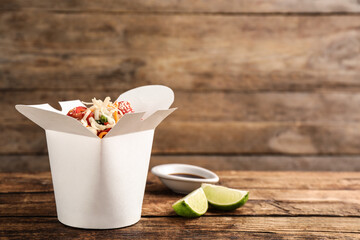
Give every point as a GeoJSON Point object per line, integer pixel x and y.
{"type": "Point", "coordinates": [187, 175]}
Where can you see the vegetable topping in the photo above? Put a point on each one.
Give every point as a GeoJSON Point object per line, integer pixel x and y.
{"type": "Point", "coordinates": [100, 116]}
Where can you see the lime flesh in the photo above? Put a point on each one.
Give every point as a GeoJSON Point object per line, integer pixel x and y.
{"type": "Point", "coordinates": [194, 204]}
{"type": "Point", "coordinates": [224, 198]}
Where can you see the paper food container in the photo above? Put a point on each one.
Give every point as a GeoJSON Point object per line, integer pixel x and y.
{"type": "Point", "coordinates": [100, 183]}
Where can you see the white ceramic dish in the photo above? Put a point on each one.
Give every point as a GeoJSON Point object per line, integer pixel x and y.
{"type": "Point", "coordinates": [180, 184]}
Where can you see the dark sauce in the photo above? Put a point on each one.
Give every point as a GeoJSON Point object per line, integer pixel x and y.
{"type": "Point", "coordinates": [187, 175]}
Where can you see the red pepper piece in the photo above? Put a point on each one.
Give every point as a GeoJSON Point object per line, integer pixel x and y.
{"type": "Point", "coordinates": [125, 107]}
{"type": "Point", "coordinates": [79, 112]}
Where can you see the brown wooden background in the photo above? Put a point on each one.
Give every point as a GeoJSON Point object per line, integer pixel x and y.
{"type": "Point", "coordinates": [260, 85]}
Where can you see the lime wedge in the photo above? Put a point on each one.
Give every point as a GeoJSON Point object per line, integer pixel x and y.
{"type": "Point", "coordinates": [224, 198]}
{"type": "Point", "coordinates": [194, 204]}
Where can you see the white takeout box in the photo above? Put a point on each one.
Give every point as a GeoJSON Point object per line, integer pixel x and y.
{"type": "Point", "coordinates": [100, 183]}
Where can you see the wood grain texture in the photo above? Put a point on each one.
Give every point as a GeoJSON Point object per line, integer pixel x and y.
{"type": "Point", "coordinates": [271, 193]}
{"type": "Point", "coordinates": [171, 137]}
{"type": "Point", "coordinates": [159, 204]}
{"type": "Point", "coordinates": [257, 163]}
{"type": "Point", "coordinates": [250, 77]}
{"type": "Point", "coordinates": [297, 194]}
{"type": "Point", "coordinates": [215, 106]}
{"type": "Point", "coordinates": [41, 182]}
{"type": "Point", "coordinates": [188, 6]}
{"type": "Point", "coordinates": [310, 123]}
{"type": "Point", "coordinates": [103, 51]}
{"type": "Point", "coordinates": [202, 228]}
{"type": "Point", "coordinates": [263, 137]}
{"type": "Point", "coordinates": [289, 205]}
{"type": "Point", "coordinates": [40, 163]}
{"type": "Point", "coordinates": [256, 82]}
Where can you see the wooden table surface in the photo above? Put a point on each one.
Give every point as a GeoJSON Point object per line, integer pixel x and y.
{"type": "Point", "coordinates": [282, 205]}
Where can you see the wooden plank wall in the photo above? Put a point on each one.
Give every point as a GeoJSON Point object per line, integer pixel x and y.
{"type": "Point", "coordinates": [262, 85]}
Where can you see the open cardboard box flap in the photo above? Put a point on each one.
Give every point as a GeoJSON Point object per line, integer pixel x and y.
{"type": "Point", "coordinates": [150, 103]}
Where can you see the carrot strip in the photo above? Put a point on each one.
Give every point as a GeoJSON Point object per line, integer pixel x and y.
{"type": "Point", "coordinates": [102, 134]}
{"type": "Point", "coordinates": [116, 117]}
